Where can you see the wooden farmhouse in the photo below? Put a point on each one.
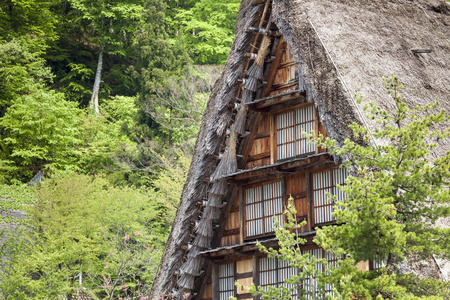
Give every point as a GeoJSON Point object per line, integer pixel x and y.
{"type": "Point", "coordinates": [293, 68]}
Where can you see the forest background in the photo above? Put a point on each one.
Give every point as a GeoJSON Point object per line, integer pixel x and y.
{"type": "Point", "coordinates": [105, 99]}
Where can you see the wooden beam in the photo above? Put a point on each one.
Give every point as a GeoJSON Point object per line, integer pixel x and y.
{"type": "Point", "coordinates": [215, 282]}
{"type": "Point", "coordinates": [254, 123]}
{"type": "Point", "coordinates": [278, 100]}
{"type": "Point", "coordinates": [309, 196]}
{"type": "Point", "coordinates": [316, 128]}
{"type": "Point", "coordinates": [229, 232]}
{"type": "Point", "coordinates": [256, 271]}
{"type": "Point", "coordinates": [274, 67]}
{"type": "Point", "coordinates": [244, 275]}
{"type": "Point", "coordinates": [290, 83]}
{"type": "Point", "coordinates": [258, 156]}
{"type": "Point", "coordinates": [287, 64]}
{"type": "Point", "coordinates": [244, 296]}
{"type": "Point", "coordinates": [262, 135]}
{"type": "Point", "coordinates": [241, 210]}
{"type": "Point", "coordinates": [273, 149]}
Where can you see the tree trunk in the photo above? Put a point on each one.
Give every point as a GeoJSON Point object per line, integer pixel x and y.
{"type": "Point", "coordinates": [98, 77]}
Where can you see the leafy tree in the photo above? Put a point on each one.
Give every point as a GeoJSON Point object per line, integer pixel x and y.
{"type": "Point", "coordinates": [178, 106]}
{"type": "Point", "coordinates": [107, 27]}
{"type": "Point", "coordinates": [40, 132]}
{"type": "Point", "coordinates": [21, 72]}
{"type": "Point", "coordinates": [159, 58]}
{"type": "Point", "coordinates": [208, 28]}
{"type": "Point", "coordinates": [395, 199]}
{"type": "Point", "coordinates": [70, 229]}
{"type": "Point", "coordinates": [30, 21]}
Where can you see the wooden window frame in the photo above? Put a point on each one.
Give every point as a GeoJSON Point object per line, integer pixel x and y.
{"type": "Point", "coordinates": [323, 267]}
{"type": "Point", "coordinates": [216, 287]}
{"type": "Point", "coordinates": [279, 282]}
{"type": "Point", "coordinates": [375, 266]}
{"type": "Point", "coordinates": [274, 131]}
{"type": "Point", "coordinates": [314, 222]}
{"type": "Point", "coordinates": [245, 205]}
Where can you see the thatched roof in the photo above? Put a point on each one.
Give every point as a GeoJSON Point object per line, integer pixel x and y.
{"type": "Point", "coordinates": [341, 47]}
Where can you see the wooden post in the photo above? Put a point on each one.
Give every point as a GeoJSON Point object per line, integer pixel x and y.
{"type": "Point", "coordinates": [242, 214]}
{"type": "Point", "coordinates": [316, 130]}
{"type": "Point", "coordinates": [309, 197]}
{"type": "Point", "coordinates": [273, 136]}
{"type": "Point", "coordinates": [256, 272]}
{"type": "Point", "coordinates": [215, 282]}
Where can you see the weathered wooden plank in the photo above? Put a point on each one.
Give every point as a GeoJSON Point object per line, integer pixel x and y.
{"type": "Point", "coordinates": [316, 127]}
{"type": "Point", "coordinates": [215, 281]}
{"type": "Point", "coordinates": [241, 213]}
{"type": "Point", "coordinates": [290, 83]}
{"type": "Point", "coordinates": [256, 270]}
{"type": "Point", "coordinates": [309, 196]}
{"type": "Point", "coordinates": [244, 296]}
{"type": "Point", "coordinates": [274, 67]}
{"type": "Point", "coordinates": [262, 135]}
{"type": "Point", "coordinates": [244, 266]}
{"type": "Point", "coordinates": [285, 97]}
{"type": "Point", "coordinates": [231, 232]}
{"type": "Point", "coordinates": [244, 275]}
{"type": "Point", "coordinates": [286, 64]}
{"type": "Point", "coordinates": [273, 143]}
{"type": "Point", "coordinates": [258, 156]}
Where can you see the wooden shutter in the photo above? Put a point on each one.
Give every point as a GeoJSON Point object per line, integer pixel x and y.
{"type": "Point", "coordinates": [324, 183]}
{"type": "Point", "coordinates": [310, 284]}
{"type": "Point", "coordinates": [289, 132]}
{"type": "Point", "coordinates": [226, 281]}
{"type": "Point", "coordinates": [273, 272]}
{"type": "Point", "coordinates": [261, 204]}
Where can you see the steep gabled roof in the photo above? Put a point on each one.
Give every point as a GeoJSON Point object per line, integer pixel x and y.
{"type": "Point", "coordinates": [340, 47]}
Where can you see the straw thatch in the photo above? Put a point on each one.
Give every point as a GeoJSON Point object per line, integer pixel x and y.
{"type": "Point", "coordinates": [341, 47]}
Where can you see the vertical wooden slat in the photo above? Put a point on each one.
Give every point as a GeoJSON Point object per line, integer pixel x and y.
{"type": "Point", "coordinates": [215, 282]}
{"type": "Point", "coordinates": [273, 138]}
{"type": "Point", "coordinates": [242, 213]}
{"type": "Point", "coordinates": [256, 272]}
{"type": "Point", "coordinates": [234, 278]}
{"type": "Point", "coordinates": [283, 198]}
{"type": "Point", "coordinates": [309, 198]}
{"type": "Point", "coordinates": [316, 121]}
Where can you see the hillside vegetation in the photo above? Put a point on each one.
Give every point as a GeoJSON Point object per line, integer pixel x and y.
{"type": "Point", "coordinates": [104, 98]}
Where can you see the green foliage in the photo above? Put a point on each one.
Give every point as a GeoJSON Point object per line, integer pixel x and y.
{"type": "Point", "coordinates": [30, 21]}
{"type": "Point", "coordinates": [103, 136]}
{"type": "Point", "coordinates": [14, 197]}
{"type": "Point", "coordinates": [158, 57]}
{"type": "Point", "coordinates": [107, 24]}
{"type": "Point", "coordinates": [178, 106]}
{"type": "Point", "coordinates": [40, 132]}
{"type": "Point", "coordinates": [170, 181]}
{"type": "Point", "coordinates": [396, 198]}
{"type": "Point", "coordinates": [71, 228]}
{"type": "Point", "coordinates": [208, 27]}
{"type": "Point", "coordinates": [21, 72]}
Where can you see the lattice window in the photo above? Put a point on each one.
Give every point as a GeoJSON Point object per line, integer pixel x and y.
{"type": "Point", "coordinates": [310, 284]}
{"type": "Point", "coordinates": [261, 204]}
{"type": "Point", "coordinates": [289, 132]}
{"type": "Point", "coordinates": [273, 272]}
{"type": "Point", "coordinates": [324, 183]}
{"type": "Point", "coordinates": [376, 265]}
{"type": "Point", "coordinates": [226, 281]}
